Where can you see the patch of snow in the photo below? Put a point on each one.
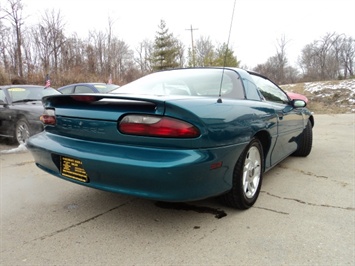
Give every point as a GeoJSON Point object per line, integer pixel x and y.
{"type": "Point", "coordinates": [19, 149]}
{"type": "Point", "coordinates": [348, 84]}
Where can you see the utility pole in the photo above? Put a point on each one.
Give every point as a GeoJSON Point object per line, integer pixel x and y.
{"type": "Point", "coordinates": [192, 45]}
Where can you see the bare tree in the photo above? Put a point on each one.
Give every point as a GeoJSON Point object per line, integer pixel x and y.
{"type": "Point", "coordinates": [277, 67]}
{"type": "Point", "coordinates": [99, 40]}
{"type": "Point", "coordinates": [327, 58]}
{"type": "Point", "coordinates": [204, 52]}
{"type": "Point", "coordinates": [5, 44]}
{"type": "Point", "coordinates": [144, 56]}
{"type": "Point", "coordinates": [281, 60]}
{"type": "Point", "coordinates": [121, 57]}
{"type": "Point", "coordinates": [347, 55]}
{"type": "Point", "coordinates": [54, 22]}
{"type": "Point", "coordinates": [14, 15]}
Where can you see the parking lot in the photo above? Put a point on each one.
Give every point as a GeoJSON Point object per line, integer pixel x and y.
{"type": "Point", "coordinates": [304, 216]}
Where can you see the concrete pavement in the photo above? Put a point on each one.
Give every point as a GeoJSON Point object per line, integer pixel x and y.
{"type": "Point", "coordinates": [304, 216]}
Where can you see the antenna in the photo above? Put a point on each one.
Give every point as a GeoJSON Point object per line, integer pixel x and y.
{"type": "Point", "coordinates": [225, 56]}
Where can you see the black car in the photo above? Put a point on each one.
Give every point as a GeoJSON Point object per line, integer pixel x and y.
{"type": "Point", "coordinates": [87, 88]}
{"type": "Point", "coordinates": [20, 111]}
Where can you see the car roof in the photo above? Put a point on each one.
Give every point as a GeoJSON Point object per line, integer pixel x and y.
{"type": "Point", "coordinates": [22, 86]}
{"type": "Point", "coordinates": [84, 83]}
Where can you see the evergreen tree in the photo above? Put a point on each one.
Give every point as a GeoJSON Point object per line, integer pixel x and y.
{"type": "Point", "coordinates": [225, 57]}
{"type": "Point", "coordinates": [165, 49]}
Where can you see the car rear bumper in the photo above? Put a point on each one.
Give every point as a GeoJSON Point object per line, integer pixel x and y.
{"type": "Point", "coordinates": [159, 174]}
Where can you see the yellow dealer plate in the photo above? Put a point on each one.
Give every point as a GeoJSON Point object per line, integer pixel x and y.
{"type": "Point", "coordinates": [73, 168]}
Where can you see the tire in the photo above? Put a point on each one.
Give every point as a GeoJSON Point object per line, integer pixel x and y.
{"type": "Point", "coordinates": [305, 141]}
{"type": "Point", "coordinates": [247, 178]}
{"type": "Point", "coordinates": [22, 131]}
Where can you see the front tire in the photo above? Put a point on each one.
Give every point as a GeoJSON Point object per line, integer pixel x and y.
{"type": "Point", "coordinates": [22, 131]}
{"type": "Point", "coordinates": [247, 177]}
{"type": "Point", "coordinates": [305, 141]}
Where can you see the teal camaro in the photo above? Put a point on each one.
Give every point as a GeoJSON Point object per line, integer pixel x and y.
{"type": "Point", "coordinates": [176, 135]}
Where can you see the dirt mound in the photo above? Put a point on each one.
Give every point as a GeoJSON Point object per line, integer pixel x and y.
{"type": "Point", "coordinates": [327, 97]}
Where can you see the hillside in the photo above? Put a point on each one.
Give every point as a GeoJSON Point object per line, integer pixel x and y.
{"type": "Point", "coordinates": [327, 97]}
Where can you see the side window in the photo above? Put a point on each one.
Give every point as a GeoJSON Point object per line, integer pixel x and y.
{"type": "Point", "coordinates": [238, 91]}
{"type": "Point", "coordinates": [2, 95]}
{"type": "Point", "coordinates": [251, 90]}
{"type": "Point", "coordinates": [269, 90]}
{"type": "Point", "coordinates": [67, 90]}
{"type": "Point", "coordinates": [82, 89]}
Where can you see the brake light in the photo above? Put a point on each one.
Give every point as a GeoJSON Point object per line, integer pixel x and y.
{"type": "Point", "coordinates": [157, 126]}
{"type": "Point", "coordinates": [48, 117]}
{"type": "Point", "coordinates": [84, 98]}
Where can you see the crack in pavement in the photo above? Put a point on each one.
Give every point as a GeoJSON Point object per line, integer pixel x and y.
{"type": "Point", "coordinates": [303, 172]}
{"type": "Point", "coordinates": [344, 184]}
{"type": "Point", "coordinates": [271, 210]}
{"type": "Point", "coordinates": [78, 224]}
{"type": "Point", "coordinates": [309, 203]}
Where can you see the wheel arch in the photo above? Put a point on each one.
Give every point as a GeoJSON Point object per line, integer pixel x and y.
{"type": "Point", "coordinates": [311, 119]}
{"type": "Point", "coordinates": [265, 140]}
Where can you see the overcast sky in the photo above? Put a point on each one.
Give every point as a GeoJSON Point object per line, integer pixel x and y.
{"type": "Point", "coordinates": [257, 24]}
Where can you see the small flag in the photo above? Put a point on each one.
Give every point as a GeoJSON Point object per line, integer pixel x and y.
{"type": "Point", "coordinates": [48, 81]}
{"type": "Point", "coordinates": [110, 80]}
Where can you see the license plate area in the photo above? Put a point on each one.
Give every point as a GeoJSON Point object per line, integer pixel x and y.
{"type": "Point", "coordinates": [73, 168]}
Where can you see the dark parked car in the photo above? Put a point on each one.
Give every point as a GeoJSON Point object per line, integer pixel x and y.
{"type": "Point", "coordinates": [87, 88]}
{"type": "Point", "coordinates": [177, 135]}
{"type": "Point", "coordinates": [20, 110]}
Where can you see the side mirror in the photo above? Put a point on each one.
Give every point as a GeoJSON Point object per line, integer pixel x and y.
{"type": "Point", "coordinates": [298, 103]}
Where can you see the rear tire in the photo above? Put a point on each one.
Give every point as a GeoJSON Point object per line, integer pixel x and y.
{"type": "Point", "coordinates": [305, 142]}
{"type": "Point", "coordinates": [22, 131]}
{"type": "Point", "coordinates": [247, 177]}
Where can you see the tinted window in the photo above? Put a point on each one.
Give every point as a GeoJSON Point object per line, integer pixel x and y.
{"type": "Point", "coordinates": [269, 90]}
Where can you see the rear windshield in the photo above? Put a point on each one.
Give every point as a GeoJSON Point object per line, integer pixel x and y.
{"type": "Point", "coordinates": [190, 82]}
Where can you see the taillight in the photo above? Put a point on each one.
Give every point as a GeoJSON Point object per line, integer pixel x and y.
{"type": "Point", "coordinates": [157, 126]}
{"type": "Point", "coordinates": [48, 117]}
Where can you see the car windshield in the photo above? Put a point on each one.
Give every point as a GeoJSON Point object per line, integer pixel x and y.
{"type": "Point", "coordinates": [19, 93]}
{"type": "Point", "coordinates": [193, 82]}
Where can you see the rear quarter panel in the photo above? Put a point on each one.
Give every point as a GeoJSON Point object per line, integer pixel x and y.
{"type": "Point", "coordinates": [226, 123]}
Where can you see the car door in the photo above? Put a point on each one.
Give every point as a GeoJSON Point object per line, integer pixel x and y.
{"type": "Point", "coordinates": [2, 110]}
{"type": "Point", "coordinates": [5, 114]}
{"type": "Point", "coordinates": [289, 119]}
